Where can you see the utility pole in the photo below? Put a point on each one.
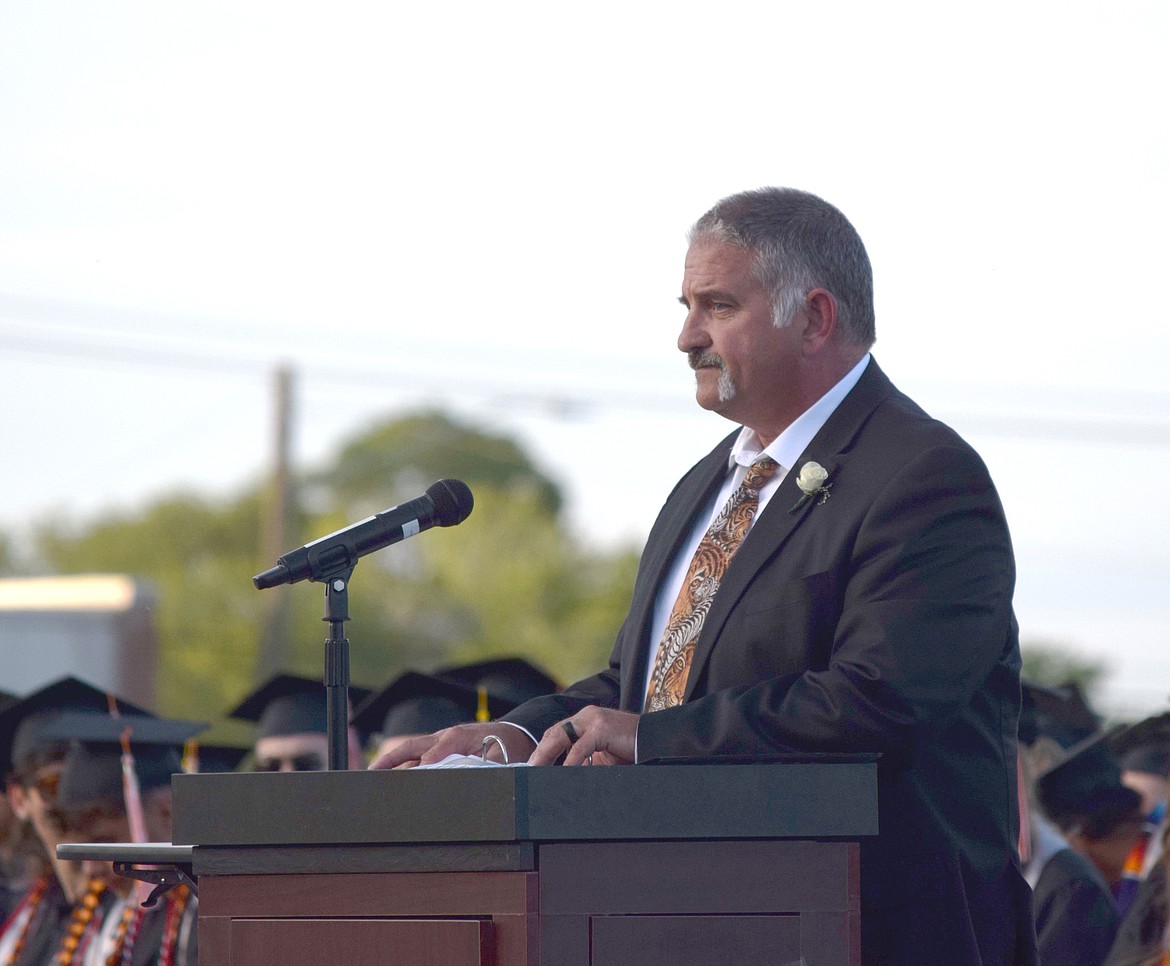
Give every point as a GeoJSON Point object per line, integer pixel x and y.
{"type": "Point", "coordinates": [278, 510]}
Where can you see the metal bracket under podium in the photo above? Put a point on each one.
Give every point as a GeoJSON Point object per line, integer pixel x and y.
{"type": "Point", "coordinates": [169, 865]}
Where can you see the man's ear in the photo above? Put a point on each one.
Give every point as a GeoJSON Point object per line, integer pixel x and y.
{"type": "Point", "coordinates": [17, 800]}
{"type": "Point", "coordinates": [821, 320]}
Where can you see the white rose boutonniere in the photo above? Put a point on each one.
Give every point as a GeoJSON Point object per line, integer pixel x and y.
{"type": "Point", "coordinates": [811, 482]}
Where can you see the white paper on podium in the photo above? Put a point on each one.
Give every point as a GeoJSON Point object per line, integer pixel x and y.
{"type": "Point", "coordinates": [471, 761]}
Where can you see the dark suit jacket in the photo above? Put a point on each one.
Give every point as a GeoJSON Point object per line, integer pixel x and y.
{"type": "Point", "coordinates": [880, 621]}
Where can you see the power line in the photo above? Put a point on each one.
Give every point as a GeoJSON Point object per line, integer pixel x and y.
{"type": "Point", "coordinates": [78, 349]}
{"type": "Point", "coordinates": [73, 347]}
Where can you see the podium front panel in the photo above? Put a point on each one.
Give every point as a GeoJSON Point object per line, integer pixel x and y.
{"type": "Point", "coordinates": [239, 913]}
{"type": "Point", "coordinates": [532, 866]}
{"type": "Point", "coordinates": [360, 942]}
{"type": "Point", "coordinates": [694, 940]}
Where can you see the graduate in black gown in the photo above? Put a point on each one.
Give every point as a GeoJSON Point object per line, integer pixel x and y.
{"type": "Point", "coordinates": [1092, 822]}
{"type": "Point", "coordinates": [117, 789]}
{"type": "Point", "coordinates": [32, 759]}
{"type": "Point", "coordinates": [1075, 914]}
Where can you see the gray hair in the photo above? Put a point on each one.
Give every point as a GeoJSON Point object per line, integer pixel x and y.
{"type": "Point", "coordinates": [800, 242]}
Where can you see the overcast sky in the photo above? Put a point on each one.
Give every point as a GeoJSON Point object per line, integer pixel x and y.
{"type": "Point", "coordinates": [484, 207]}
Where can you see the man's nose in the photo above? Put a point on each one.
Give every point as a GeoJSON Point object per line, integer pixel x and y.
{"type": "Point", "coordinates": [694, 334]}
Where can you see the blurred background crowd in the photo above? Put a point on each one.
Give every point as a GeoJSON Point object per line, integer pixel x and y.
{"type": "Point", "coordinates": [1093, 830]}
{"type": "Point", "coordinates": [84, 765]}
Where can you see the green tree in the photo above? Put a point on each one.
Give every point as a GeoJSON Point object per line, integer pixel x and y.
{"type": "Point", "coordinates": [511, 580]}
{"type": "Point", "coordinates": [8, 565]}
{"type": "Point", "coordinates": [199, 556]}
{"type": "Point", "coordinates": [407, 454]}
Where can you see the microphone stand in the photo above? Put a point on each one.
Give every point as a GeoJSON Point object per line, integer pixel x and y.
{"type": "Point", "coordinates": [331, 560]}
{"type": "Point", "coordinates": [337, 669]}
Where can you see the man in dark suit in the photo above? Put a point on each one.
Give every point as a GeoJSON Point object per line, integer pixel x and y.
{"type": "Point", "coordinates": [868, 607]}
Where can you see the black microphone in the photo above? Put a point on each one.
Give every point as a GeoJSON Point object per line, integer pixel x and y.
{"type": "Point", "coordinates": [444, 504]}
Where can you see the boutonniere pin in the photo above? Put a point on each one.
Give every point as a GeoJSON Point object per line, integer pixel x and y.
{"type": "Point", "coordinates": [811, 481]}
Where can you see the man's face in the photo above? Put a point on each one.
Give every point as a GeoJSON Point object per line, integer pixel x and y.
{"type": "Point", "coordinates": [745, 367]}
{"type": "Point", "coordinates": [35, 801]}
{"type": "Point", "coordinates": [1109, 853]}
{"type": "Point", "coordinates": [303, 752]}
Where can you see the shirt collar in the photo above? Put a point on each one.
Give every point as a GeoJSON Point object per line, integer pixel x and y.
{"type": "Point", "coordinates": [1047, 841]}
{"type": "Point", "coordinates": [786, 448]}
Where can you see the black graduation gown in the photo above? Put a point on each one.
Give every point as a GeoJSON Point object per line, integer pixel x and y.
{"type": "Point", "coordinates": [1076, 916]}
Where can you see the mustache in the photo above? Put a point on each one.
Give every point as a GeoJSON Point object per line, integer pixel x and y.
{"type": "Point", "coordinates": [700, 359]}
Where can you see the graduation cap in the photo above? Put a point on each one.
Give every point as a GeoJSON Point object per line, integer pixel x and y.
{"type": "Point", "coordinates": [1059, 713]}
{"type": "Point", "coordinates": [1084, 788]}
{"type": "Point", "coordinates": [512, 678]}
{"type": "Point", "coordinates": [1144, 746]}
{"type": "Point", "coordinates": [23, 723]}
{"type": "Point", "coordinates": [92, 770]}
{"type": "Point", "coordinates": [107, 729]}
{"type": "Point", "coordinates": [417, 704]}
{"type": "Point", "coordinates": [289, 705]}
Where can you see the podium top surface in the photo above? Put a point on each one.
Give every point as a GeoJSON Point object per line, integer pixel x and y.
{"type": "Point", "coordinates": [826, 797]}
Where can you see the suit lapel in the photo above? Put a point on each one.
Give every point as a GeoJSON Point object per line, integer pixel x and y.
{"type": "Point", "coordinates": [830, 447]}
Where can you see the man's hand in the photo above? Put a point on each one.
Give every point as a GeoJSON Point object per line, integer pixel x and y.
{"type": "Point", "coordinates": [606, 735]}
{"type": "Point", "coordinates": [466, 739]}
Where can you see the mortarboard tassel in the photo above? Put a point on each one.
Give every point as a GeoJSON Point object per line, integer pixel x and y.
{"type": "Point", "coordinates": [191, 756]}
{"type": "Point", "coordinates": [132, 795]}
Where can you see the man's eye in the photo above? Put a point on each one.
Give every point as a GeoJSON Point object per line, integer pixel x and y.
{"type": "Point", "coordinates": [268, 764]}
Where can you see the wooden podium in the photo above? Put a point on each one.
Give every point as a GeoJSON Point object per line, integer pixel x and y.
{"type": "Point", "coordinates": [654, 865]}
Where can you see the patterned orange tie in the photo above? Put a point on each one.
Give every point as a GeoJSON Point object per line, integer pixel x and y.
{"type": "Point", "coordinates": [714, 552]}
